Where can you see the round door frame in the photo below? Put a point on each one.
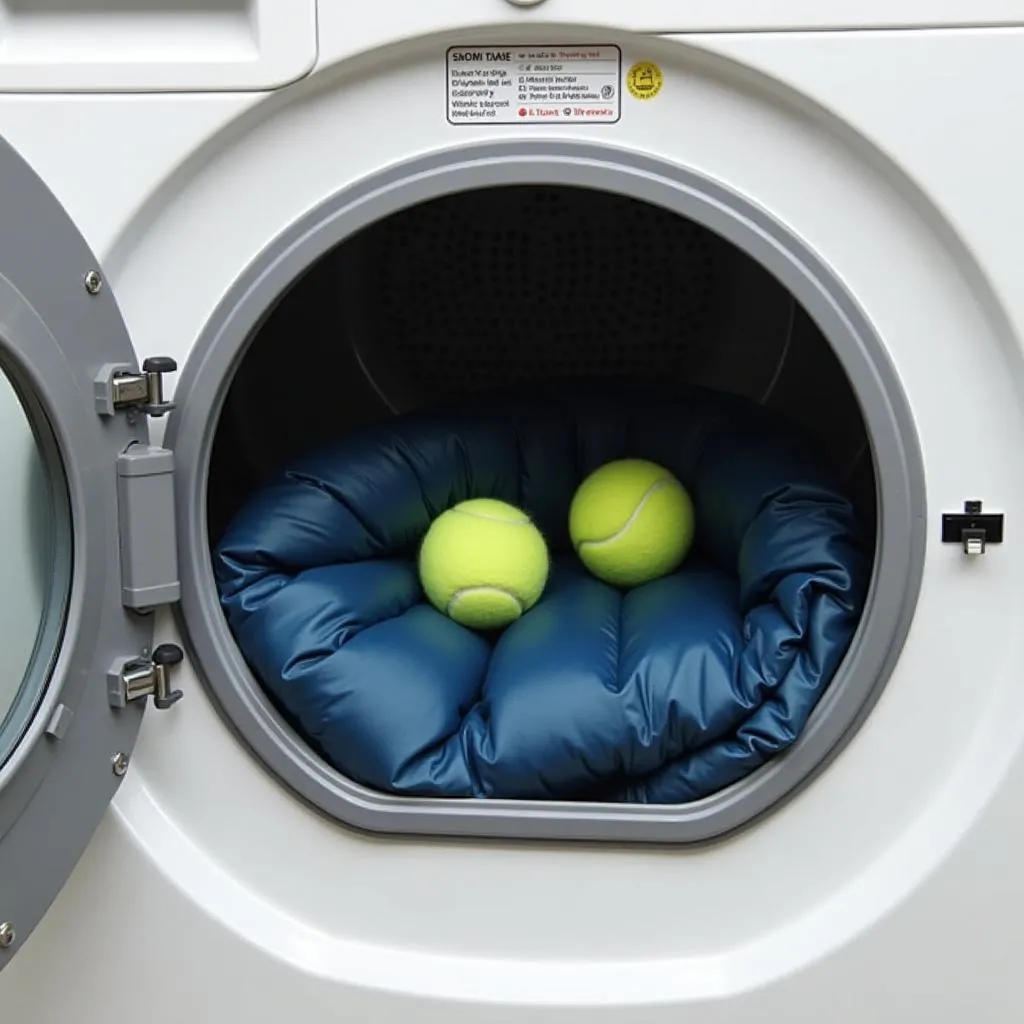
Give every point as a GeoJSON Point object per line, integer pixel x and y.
{"type": "Point", "coordinates": [55, 335]}
{"type": "Point", "coordinates": [896, 457]}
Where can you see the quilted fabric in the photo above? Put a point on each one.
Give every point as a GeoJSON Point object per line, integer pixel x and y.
{"type": "Point", "coordinates": [661, 694]}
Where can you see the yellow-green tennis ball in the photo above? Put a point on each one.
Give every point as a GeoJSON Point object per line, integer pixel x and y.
{"type": "Point", "coordinates": [631, 521]}
{"type": "Point", "coordinates": [483, 563]}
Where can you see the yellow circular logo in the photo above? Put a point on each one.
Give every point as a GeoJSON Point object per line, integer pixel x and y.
{"type": "Point", "coordinates": [644, 80]}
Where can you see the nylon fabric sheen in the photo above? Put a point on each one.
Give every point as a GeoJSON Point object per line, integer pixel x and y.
{"type": "Point", "coordinates": [661, 694]}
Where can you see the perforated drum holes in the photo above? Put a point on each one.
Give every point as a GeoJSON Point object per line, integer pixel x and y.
{"type": "Point", "coordinates": [541, 282]}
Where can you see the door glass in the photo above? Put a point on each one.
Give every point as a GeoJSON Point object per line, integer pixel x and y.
{"type": "Point", "coordinates": [35, 562]}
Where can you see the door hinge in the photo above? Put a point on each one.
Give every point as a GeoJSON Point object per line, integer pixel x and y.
{"type": "Point", "coordinates": [131, 679]}
{"type": "Point", "coordinates": [972, 529]}
{"type": "Point", "coordinates": [118, 388]}
{"type": "Point", "coordinates": [147, 526]}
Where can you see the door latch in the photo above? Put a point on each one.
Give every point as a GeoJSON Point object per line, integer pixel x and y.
{"type": "Point", "coordinates": [117, 388]}
{"type": "Point", "coordinates": [138, 678]}
{"type": "Point", "coordinates": [973, 529]}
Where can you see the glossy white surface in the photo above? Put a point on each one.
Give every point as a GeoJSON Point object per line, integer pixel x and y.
{"type": "Point", "coordinates": [348, 28]}
{"type": "Point", "coordinates": [113, 46]}
{"type": "Point", "coordinates": [890, 889]}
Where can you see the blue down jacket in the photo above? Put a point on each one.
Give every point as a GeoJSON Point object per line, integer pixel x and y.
{"type": "Point", "coordinates": [663, 694]}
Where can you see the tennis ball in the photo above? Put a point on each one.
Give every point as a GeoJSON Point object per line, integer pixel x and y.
{"type": "Point", "coordinates": [483, 563]}
{"type": "Point", "coordinates": [631, 521]}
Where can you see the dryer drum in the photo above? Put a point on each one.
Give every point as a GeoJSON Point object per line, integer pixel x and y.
{"type": "Point", "coordinates": [503, 342]}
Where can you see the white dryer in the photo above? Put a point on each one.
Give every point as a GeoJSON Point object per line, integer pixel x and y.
{"type": "Point", "coordinates": [229, 230]}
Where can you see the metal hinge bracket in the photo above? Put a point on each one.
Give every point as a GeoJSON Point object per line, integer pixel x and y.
{"type": "Point", "coordinates": [119, 388]}
{"type": "Point", "coordinates": [131, 679]}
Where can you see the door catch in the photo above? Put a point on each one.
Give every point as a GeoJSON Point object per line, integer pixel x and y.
{"type": "Point", "coordinates": [972, 529]}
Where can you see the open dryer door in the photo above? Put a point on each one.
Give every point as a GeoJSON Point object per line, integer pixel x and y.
{"type": "Point", "coordinates": [87, 548]}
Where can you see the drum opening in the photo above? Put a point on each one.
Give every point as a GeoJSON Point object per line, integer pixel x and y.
{"type": "Point", "coordinates": [440, 280]}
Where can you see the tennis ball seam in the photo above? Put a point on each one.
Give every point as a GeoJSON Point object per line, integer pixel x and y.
{"type": "Point", "coordinates": [633, 516]}
{"type": "Point", "coordinates": [483, 590]}
{"type": "Point", "coordinates": [524, 521]}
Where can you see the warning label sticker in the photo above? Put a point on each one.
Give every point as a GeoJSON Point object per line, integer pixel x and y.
{"type": "Point", "coordinates": [533, 84]}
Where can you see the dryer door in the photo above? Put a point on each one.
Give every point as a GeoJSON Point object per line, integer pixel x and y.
{"type": "Point", "coordinates": [86, 548]}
